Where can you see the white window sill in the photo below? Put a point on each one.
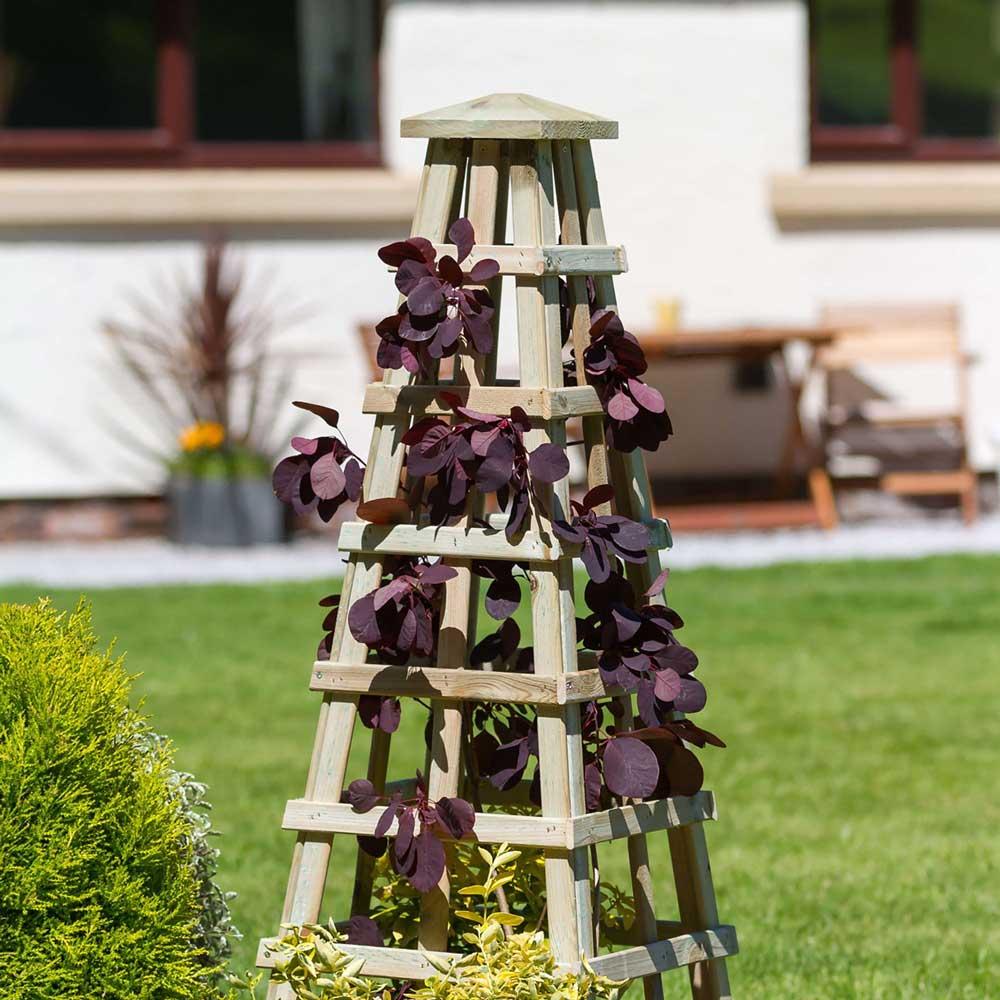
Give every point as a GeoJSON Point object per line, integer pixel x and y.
{"type": "Point", "coordinates": [896, 192]}
{"type": "Point", "coordinates": [31, 198]}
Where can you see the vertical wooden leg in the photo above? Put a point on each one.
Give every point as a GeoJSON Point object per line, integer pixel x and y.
{"type": "Point", "coordinates": [970, 498]}
{"type": "Point", "coordinates": [821, 491]}
{"type": "Point", "coordinates": [443, 170]}
{"type": "Point", "coordinates": [698, 910]}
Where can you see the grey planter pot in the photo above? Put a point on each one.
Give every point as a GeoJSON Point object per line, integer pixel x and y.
{"type": "Point", "coordinates": [224, 512]}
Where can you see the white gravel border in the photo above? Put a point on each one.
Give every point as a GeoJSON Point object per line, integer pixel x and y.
{"type": "Point", "coordinates": [153, 561]}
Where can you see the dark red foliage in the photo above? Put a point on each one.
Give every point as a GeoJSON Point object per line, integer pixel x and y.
{"type": "Point", "coordinates": [635, 415]}
{"type": "Point", "coordinates": [323, 475]}
{"type": "Point", "coordinates": [331, 601]}
{"type": "Point", "coordinates": [442, 303]}
{"type": "Point", "coordinates": [364, 931]}
{"type": "Point", "coordinates": [400, 618]}
{"type": "Point", "coordinates": [417, 852]}
{"type": "Point", "coordinates": [602, 537]}
{"type": "Point", "coordinates": [506, 741]}
{"type": "Point", "coordinates": [639, 652]}
{"type": "Point", "coordinates": [485, 452]}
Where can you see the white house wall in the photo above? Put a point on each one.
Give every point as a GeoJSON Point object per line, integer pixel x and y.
{"type": "Point", "coordinates": [711, 97]}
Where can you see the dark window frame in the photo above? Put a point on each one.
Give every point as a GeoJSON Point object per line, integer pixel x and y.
{"type": "Point", "coordinates": [171, 143]}
{"type": "Point", "coordinates": [901, 138]}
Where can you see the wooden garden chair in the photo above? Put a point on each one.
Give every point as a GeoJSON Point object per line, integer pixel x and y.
{"type": "Point", "coordinates": [913, 450]}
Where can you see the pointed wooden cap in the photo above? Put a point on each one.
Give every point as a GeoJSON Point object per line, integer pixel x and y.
{"type": "Point", "coordinates": [508, 116]}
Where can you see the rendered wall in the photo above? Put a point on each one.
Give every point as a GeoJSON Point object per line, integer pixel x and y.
{"type": "Point", "coordinates": [711, 97]}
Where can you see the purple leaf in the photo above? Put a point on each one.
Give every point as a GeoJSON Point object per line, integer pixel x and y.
{"type": "Point", "coordinates": [667, 684]}
{"type": "Point", "coordinates": [437, 574]}
{"type": "Point", "coordinates": [325, 413]}
{"type": "Point", "coordinates": [548, 463]}
{"type": "Point", "coordinates": [374, 847]}
{"type": "Point", "coordinates": [456, 815]}
{"type": "Point", "coordinates": [630, 768]}
{"type": "Point", "coordinates": [404, 832]}
{"type": "Point", "coordinates": [362, 795]}
{"type": "Point", "coordinates": [621, 407]}
{"type": "Point", "coordinates": [449, 270]}
{"type": "Point", "coordinates": [483, 271]}
{"type": "Point", "coordinates": [503, 598]}
{"type": "Point", "coordinates": [363, 931]}
{"type": "Point", "coordinates": [354, 475]}
{"type": "Point", "coordinates": [430, 862]}
{"type": "Point", "coordinates": [306, 446]}
{"type": "Point", "coordinates": [463, 235]}
{"type": "Point", "coordinates": [385, 821]}
{"type": "Point", "coordinates": [327, 478]}
{"type": "Point", "coordinates": [426, 297]}
{"type": "Point", "coordinates": [598, 495]}
{"type": "Point", "coordinates": [656, 587]}
{"type": "Point", "coordinates": [646, 396]}
{"type": "Point", "coordinates": [287, 476]}
{"type": "Point", "coordinates": [693, 696]}
{"type": "Point", "coordinates": [362, 621]}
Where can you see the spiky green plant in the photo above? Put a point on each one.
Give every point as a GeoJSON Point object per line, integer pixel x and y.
{"type": "Point", "coordinates": [99, 885]}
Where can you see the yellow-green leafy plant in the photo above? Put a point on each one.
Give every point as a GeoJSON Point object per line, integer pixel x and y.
{"type": "Point", "coordinates": [100, 883]}
{"type": "Point", "coordinates": [503, 963]}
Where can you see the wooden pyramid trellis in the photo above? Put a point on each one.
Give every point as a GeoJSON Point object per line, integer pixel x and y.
{"type": "Point", "coordinates": [540, 153]}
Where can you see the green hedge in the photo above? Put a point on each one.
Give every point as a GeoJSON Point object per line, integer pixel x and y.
{"type": "Point", "coordinates": [99, 890]}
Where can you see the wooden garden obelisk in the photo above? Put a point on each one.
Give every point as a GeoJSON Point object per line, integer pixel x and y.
{"type": "Point", "coordinates": [535, 157]}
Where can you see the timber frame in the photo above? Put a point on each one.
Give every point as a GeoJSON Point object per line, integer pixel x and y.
{"type": "Point", "coordinates": [536, 157]}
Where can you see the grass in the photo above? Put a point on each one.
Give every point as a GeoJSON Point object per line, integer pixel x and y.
{"type": "Point", "coordinates": [860, 794]}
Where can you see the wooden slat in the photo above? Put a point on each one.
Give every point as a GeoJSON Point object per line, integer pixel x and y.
{"type": "Point", "coordinates": [459, 685]}
{"type": "Point", "coordinates": [927, 483]}
{"type": "Point", "coordinates": [423, 400]}
{"type": "Point", "coordinates": [453, 541]}
{"type": "Point", "coordinates": [538, 260]}
{"type": "Point", "coordinates": [541, 831]}
{"type": "Point", "coordinates": [688, 852]}
{"type": "Point", "coordinates": [391, 963]}
{"type": "Point", "coordinates": [643, 817]}
{"type": "Point", "coordinates": [491, 828]}
{"type": "Point", "coordinates": [567, 875]}
{"type": "Point", "coordinates": [457, 629]}
{"type": "Point", "coordinates": [435, 209]}
{"type": "Point", "coordinates": [672, 953]}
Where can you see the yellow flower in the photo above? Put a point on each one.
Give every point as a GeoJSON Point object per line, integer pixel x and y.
{"type": "Point", "coordinates": [204, 434]}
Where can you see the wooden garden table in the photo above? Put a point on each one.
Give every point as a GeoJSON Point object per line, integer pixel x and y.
{"type": "Point", "coordinates": [763, 343]}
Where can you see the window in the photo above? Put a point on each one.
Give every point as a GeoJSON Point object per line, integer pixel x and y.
{"type": "Point", "coordinates": [905, 79]}
{"type": "Point", "coordinates": [189, 82]}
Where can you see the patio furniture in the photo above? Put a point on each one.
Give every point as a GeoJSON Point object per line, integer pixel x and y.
{"type": "Point", "coordinates": [913, 450]}
{"type": "Point", "coordinates": [768, 344]}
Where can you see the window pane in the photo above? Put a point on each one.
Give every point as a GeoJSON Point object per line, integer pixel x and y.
{"type": "Point", "coordinates": [961, 71]}
{"type": "Point", "coordinates": [77, 65]}
{"type": "Point", "coordinates": [852, 53]}
{"type": "Point", "coordinates": [294, 71]}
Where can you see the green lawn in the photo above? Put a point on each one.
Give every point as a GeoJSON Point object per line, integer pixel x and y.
{"type": "Point", "coordinates": [858, 849]}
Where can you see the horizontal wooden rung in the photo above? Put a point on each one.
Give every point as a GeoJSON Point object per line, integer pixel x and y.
{"type": "Point", "coordinates": [928, 483]}
{"type": "Point", "coordinates": [643, 817]}
{"type": "Point", "coordinates": [468, 542]}
{"type": "Point", "coordinates": [424, 400]}
{"type": "Point", "coordinates": [391, 963]}
{"type": "Point", "coordinates": [670, 953]}
{"type": "Point", "coordinates": [631, 963]}
{"type": "Point", "coordinates": [535, 261]}
{"type": "Point", "coordinates": [457, 542]}
{"type": "Point", "coordinates": [459, 685]}
{"type": "Point", "coordinates": [304, 816]}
